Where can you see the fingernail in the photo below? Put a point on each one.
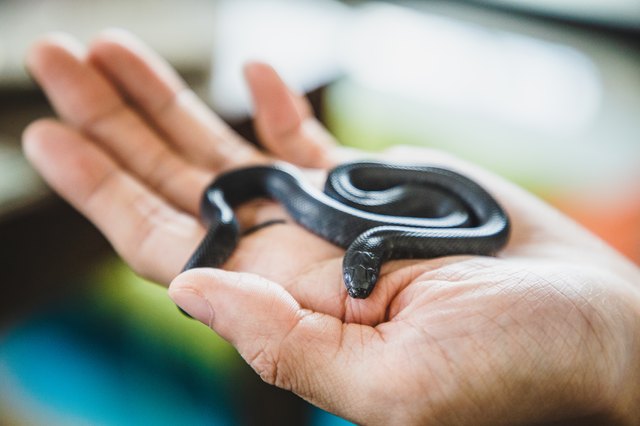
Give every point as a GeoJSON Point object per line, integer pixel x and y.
{"type": "Point", "coordinates": [194, 304]}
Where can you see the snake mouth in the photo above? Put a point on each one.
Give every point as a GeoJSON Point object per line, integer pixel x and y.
{"type": "Point", "coordinates": [358, 293]}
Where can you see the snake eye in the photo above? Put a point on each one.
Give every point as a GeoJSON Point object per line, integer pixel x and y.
{"type": "Point", "coordinates": [372, 277]}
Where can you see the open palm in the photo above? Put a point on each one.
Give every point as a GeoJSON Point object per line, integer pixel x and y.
{"type": "Point", "coordinates": [539, 333]}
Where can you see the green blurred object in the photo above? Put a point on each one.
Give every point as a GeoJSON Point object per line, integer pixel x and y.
{"type": "Point", "coordinates": [119, 354]}
{"type": "Point", "coordinates": [148, 314]}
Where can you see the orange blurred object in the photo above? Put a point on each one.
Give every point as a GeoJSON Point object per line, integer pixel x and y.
{"type": "Point", "coordinates": [614, 219]}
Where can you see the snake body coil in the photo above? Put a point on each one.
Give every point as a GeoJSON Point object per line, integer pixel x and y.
{"type": "Point", "coordinates": [375, 211]}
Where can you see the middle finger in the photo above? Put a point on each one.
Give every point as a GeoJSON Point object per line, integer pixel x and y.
{"type": "Point", "coordinates": [159, 93]}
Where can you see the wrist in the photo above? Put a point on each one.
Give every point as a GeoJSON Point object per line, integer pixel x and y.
{"type": "Point", "coordinates": [625, 409]}
{"type": "Point", "coordinates": [625, 406]}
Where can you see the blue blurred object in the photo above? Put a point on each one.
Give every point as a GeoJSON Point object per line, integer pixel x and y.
{"type": "Point", "coordinates": [71, 367]}
{"type": "Point", "coordinates": [322, 418]}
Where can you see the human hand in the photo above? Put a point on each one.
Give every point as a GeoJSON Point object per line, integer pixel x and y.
{"type": "Point", "coordinates": [547, 330]}
{"type": "Point", "coordinates": [136, 148]}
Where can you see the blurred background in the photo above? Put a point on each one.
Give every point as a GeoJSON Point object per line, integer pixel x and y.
{"type": "Point", "coordinates": [546, 93]}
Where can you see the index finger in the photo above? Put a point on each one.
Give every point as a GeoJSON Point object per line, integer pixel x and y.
{"type": "Point", "coordinates": [148, 82]}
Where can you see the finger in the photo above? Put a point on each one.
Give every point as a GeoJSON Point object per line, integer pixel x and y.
{"type": "Point", "coordinates": [284, 121]}
{"type": "Point", "coordinates": [314, 355]}
{"type": "Point", "coordinates": [149, 234]}
{"type": "Point", "coordinates": [84, 98]}
{"type": "Point", "coordinates": [154, 87]}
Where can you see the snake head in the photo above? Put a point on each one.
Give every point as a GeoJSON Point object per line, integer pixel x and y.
{"type": "Point", "coordinates": [360, 270]}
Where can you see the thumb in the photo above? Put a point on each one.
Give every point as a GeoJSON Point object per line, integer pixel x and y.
{"type": "Point", "coordinates": [290, 347]}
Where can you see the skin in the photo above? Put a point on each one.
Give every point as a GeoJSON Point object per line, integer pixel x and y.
{"type": "Point", "coordinates": [547, 331]}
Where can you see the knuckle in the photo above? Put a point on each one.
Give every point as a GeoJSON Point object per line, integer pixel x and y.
{"type": "Point", "coordinates": [266, 365]}
{"type": "Point", "coordinates": [283, 364]}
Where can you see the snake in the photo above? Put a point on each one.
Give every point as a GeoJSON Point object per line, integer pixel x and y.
{"type": "Point", "coordinates": [376, 211]}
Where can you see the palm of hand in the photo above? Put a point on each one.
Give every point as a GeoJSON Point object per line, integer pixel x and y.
{"type": "Point", "coordinates": [461, 331]}
{"type": "Point", "coordinates": [492, 337]}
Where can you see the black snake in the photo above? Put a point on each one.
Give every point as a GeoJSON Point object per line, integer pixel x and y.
{"type": "Point", "coordinates": [376, 211]}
